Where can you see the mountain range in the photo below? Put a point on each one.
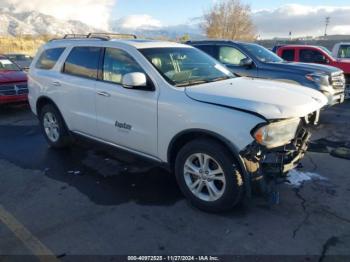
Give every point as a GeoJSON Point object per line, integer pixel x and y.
{"type": "Point", "coordinates": [35, 23]}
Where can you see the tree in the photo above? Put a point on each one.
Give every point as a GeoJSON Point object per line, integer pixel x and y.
{"type": "Point", "coordinates": [229, 19]}
{"type": "Point", "coordinates": [185, 38]}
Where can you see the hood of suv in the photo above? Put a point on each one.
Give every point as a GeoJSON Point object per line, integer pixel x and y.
{"type": "Point", "coordinates": [303, 67]}
{"type": "Point", "coordinates": [271, 99]}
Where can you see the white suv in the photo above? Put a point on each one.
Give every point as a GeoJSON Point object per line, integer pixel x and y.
{"type": "Point", "coordinates": [176, 105]}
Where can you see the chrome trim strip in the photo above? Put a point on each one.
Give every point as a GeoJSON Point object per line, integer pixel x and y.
{"type": "Point", "coordinates": [118, 146]}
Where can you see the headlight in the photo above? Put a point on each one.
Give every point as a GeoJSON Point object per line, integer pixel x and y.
{"type": "Point", "coordinates": [321, 79]}
{"type": "Point", "coordinates": [276, 134]}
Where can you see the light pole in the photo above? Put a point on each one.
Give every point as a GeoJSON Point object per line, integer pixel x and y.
{"type": "Point", "coordinates": [327, 23]}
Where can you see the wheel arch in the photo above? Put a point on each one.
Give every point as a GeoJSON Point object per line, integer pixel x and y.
{"type": "Point", "coordinates": [44, 100]}
{"type": "Point", "coordinates": [186, 136]}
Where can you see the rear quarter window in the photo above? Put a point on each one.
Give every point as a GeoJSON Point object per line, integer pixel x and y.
{"type": "Point", "coordinates": [83, 62]}
{"type": "Point", "coordinates": [48, 58]}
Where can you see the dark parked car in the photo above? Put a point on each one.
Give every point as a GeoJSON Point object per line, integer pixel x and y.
{"type": "Point", "coordinates": [13, 83]}
{"type": "Point", "coordinates": [22, 60]}
{"type": "Point", "coordinates": [248, 59]}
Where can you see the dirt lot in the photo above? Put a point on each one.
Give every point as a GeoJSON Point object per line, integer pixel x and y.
{"type": "Point", "coordinates": [84, 201]}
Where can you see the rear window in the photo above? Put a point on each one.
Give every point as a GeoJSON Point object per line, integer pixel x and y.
{"type": "Point", "coordinates": [83, 62]}
{"type": "Point", "coordinates": [288, 54]}
{"type": "Point", "coordinates": [48, 58]}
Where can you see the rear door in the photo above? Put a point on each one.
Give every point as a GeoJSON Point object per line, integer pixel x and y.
{"type": "Point", "coordinates": [78, 80]}
{"type": "Point", "coordinates": [288, 54]}
{"type": "Point", "coordinates": [125, 117]}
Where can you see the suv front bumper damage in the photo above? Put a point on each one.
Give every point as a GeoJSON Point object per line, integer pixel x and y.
{"type": "Point", "coordinates": [269, 166]}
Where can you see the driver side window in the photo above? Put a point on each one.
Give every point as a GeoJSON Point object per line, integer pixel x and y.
{"type": "Point", "coordinates": [231, 56]}
{"type": "Point", "coordinates": [118, 63]}
{"type": "Point", "coordinates": [311, 56]}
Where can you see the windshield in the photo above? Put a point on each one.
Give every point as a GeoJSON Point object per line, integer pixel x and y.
{"type": "Point", "coordinates": [19, 57]}
{"type": "Point", "coordinates": [326, 50]}
{"type": "Point", "coordinates": [262, 54]}
{"type": "Point", "coordinates": [186, 66]}
{"type": "Point", "coordinates": [6, 64]}
{"type": "Point", "coordinates": [344, 51]}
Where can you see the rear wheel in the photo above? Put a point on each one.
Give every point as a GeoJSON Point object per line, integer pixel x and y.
{"type": "Point", "coordinates": [209, 176]}
{"type": "Point", "coordinates": [53, 127]}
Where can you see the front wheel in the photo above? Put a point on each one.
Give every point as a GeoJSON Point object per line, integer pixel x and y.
{"type": "Point", "coordinates": [208, 175]}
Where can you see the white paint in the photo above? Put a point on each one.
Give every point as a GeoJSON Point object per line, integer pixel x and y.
{"type": "Point", "coordinates": [297, 178]}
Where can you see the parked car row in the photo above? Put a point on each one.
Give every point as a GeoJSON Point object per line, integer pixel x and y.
{"type": "Point", "coordinates": [248, 59]}
{"type": "Point", "coordinates": [339, 58]}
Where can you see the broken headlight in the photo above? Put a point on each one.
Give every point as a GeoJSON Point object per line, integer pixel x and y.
{"type": "Point", "coordinates": [276, 134]}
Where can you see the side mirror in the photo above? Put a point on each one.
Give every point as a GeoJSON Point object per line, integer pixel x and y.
{"type": "Point", "coordinates": [134, 80]}
{"type": "Point", "coordinates": [322, 60]}
{"type": "Point", "coordinates": [246, 62]}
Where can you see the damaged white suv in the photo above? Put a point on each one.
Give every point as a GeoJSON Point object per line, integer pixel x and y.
{"type": "Point", "coordinates": [175, 105]}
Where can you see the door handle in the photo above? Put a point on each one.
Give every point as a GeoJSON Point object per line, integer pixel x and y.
{"type": "Point", "coordinates": [105, 94]}
{"type": "Point", "coordinates": [56, 83]}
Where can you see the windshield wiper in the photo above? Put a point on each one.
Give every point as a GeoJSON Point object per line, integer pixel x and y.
{"type": "Point", "coordinates": [221, 78]}
{"type": "Point", "coordinates": [191, 83]}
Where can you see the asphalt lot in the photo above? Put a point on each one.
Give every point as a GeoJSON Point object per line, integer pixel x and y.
{"type": "Point", "coordinates": [84, 201]}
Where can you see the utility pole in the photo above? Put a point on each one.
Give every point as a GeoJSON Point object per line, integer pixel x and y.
{"type": "Point", "coordinates": [328, 19]}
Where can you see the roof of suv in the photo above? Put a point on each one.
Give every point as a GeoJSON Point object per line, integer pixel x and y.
{"type": "Point", "coordinates": [216, 41]}
{"type": "Point", "coordinates": [137, 43]}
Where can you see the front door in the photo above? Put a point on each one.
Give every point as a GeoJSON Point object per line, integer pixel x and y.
{"type": "Point", "coordinates": [125, 117]}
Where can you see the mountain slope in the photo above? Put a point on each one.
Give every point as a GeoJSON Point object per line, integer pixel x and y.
{"type": "Point", "coordinates": [35, 23]}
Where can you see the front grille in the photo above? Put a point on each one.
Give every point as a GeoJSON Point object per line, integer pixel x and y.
{"type": "Point", "coordinates": [347, 86]}
{"type": "Point", "coordinates": [338, 81]}
{"type": "Point", "coordinates": [14, 89]}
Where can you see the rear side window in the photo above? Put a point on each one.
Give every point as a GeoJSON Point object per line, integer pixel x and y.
{"type": "Point", "coordinates": [209, 49]}
{"type": "Point", "coordinates": [83, 61]}
{"type": "Point", "coordinates": [288, 54]}
{"type": "Point", "coordinates": [48, 58]}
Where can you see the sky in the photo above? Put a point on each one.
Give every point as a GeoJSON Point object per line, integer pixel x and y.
{"type": "Point", "coordinates": [273, 18]}
{"type": "Point", "coordinates": [179, 11]}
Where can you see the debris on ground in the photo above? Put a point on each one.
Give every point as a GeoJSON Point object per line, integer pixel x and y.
{"type": "Point", "coordinates": [341, 152]}
{"type": "Point", "coordinates": [296, 178]}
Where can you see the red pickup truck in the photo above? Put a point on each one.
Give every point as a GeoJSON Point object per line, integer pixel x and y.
{"type": "Point", "coordinates": [13, 83]}
{"type": "Point", "coordinates": [315, 54]}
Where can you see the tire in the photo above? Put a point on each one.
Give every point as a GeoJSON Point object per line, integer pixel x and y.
{"type": "Point", "coordinates": [51, 119]}
{"type": "Point", "coordinates": [228, 182]}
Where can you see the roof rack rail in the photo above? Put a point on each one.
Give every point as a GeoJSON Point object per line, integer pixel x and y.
{"type": "Point", "coordinates": [100, 36]}
{"type": "Point", "coordinates": [74, 36]}
{"type": "Point", "coordinates": [111, 35]}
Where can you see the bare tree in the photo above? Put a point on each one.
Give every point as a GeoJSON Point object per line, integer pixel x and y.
{"type": "Point", "coordinates": [229, 19]}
